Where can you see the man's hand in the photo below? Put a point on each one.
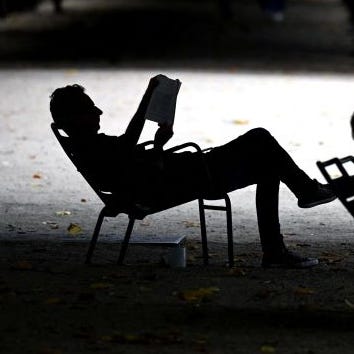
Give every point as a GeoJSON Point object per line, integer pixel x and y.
{"type": "Point", "coordinates": [163, 135]}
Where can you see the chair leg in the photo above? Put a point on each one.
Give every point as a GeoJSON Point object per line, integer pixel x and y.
{"type": "Point", "coordinates": [203, 232]}
{"type": "Point", "coordinates": [95, 236]}
{"type": "Point", "coordinates": [230, 240]}
{"type": "Point", "coordinates": [125, 242]}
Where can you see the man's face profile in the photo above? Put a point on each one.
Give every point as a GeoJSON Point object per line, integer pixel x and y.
{"type": "Point", "coordinates": [86, 116]}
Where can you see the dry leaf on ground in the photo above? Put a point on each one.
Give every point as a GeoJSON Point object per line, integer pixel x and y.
{"type": "Point", "coordinates": [191, 223]}
{"type": "Point", "coordinates": [74, 229]}
{"type": "Point", "coordinates": [53, 225]}
{"type": "Point", "coordinates": [303, 291]}
{"type": "Point", "coordinates": [266, 348]}
{"type": "Point", "coordinates": [197, 295]}
{"type": "Point", "coordinates": [240, 121]}
{"type": "Point", "coordinates": [101, 285]}
{"type": "Point", "coordinates": [349, 304]}
{"type": "Point", "coordinates": [53, 301]}
{"type": "Point", "coordinates": [22, 265]}
{"type": "Point", "coordinates": [63, 213]}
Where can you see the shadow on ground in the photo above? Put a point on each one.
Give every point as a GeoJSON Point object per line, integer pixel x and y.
{"type": "Point", "coordinates": [56, 304]}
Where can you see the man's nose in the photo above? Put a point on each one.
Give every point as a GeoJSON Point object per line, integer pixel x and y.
{"type": "Point", "coordinates": [98, 111]}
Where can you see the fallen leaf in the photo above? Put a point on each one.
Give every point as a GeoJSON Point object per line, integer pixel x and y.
{"type": "Point", "coordinates": [71, 71]}
{"type": "Point", "coordinates": [37, 176]}
{"type": "Point", "coordinates": [53, 225]}
{"type": "Point", "coordinates": [240, 121]}
{"type": "Point", "coordinates": [107, 338]}
{"type": "Point", "coordinates": [63, 212]}
{"type": "Point", "coordinates": [196, 295]}
{"type": "Point", "coordinates": [191, 258]}
{"type": "Point", "coordinates": [192, 247]}
{"type": "Point", "coordinates": [295, 143]}
{"type": "Point", "coordinates": [143, 338]}
{"type": "Point", "coordinates": [349, 304]}
{"type": "Point", "coordinates": [267, 348]}
{"type": "Point", "coordinates": [302, 291]}
{"type": "Point", "coordinates": [74, 229]}
{"type": "Point", "coordinates": [127, 338]}
{"type": "Point", "coordinates": [22, 265]}
{"type": "Point", "coordinates": [144, 223]}
{"type": "Point", "coordinates": [303, 245]}
{"type": "Point", "coordinates": [101, 285]}
{"type": "Point", "coordinates": [191, 224]}
{"type": "Point", "coordinates": [53, 301]}
{"type": "Point", "coordinates": [330, 258]}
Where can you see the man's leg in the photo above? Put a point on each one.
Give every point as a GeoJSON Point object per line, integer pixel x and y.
{"type": "Point", "coordinates": [267, 203]}
{"type": "Point", "coordinates": [257, 158]}
{"type": "Point", "coordinates": [254, 157]}
{"type": "Point", "coordinates": [275, 253]}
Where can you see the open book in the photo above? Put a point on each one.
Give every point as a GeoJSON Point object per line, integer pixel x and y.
{"type": "Point", "coordinates": [162, 105]}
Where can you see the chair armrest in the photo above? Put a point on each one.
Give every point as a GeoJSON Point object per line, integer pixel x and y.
{"type": "Point", "coordinates": [199, 152]}
{"type": "Point", "coordinates": [145, 144]}
{"type": "Point", "coordinates": [184, 146]}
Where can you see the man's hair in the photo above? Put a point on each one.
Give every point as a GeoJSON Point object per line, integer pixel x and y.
{"type": "Point", "coordinates": [63, 103]}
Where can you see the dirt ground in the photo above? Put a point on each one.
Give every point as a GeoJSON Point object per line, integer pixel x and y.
{"type": "Point", "coordinates": [52, 303]}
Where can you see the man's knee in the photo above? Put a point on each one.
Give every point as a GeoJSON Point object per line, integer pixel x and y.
{"type": "Point", "coordinates": [259, 134]}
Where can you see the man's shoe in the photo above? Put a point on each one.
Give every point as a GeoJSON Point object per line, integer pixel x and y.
{"type": "Point", "coordinates": [316, 195]}
{"type": "Point", "coordinates": [287, 259]}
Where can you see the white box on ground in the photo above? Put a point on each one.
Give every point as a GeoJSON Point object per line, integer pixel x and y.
{"type": "Point", "coordinates": [177, 254]}
{"type": "Point", "coordinates": [177, 257]}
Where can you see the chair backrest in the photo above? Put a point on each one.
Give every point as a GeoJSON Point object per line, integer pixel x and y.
{"type": "Point", "coordinates": [65, 144]}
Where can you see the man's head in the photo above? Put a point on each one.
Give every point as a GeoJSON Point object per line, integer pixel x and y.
{"type": "Point", "coordinates": [73, 111]}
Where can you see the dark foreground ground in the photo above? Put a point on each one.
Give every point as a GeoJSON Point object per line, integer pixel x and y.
{"type": "Point", "coordinates": [52, 303]}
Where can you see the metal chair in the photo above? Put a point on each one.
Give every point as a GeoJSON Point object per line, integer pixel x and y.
{"type": "Point", "coordinates": [113, 205]}
{"type": "Point", "coordinates": [342, 183]}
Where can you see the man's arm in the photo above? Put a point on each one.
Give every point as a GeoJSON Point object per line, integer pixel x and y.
{"type": "Point", "coordinates": [136, 125]}
{"type": "Point", "coordinates": [163, 135]}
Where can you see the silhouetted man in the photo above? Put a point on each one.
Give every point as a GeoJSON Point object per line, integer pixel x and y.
{"type": "Point", "coordinates": [155, 176]}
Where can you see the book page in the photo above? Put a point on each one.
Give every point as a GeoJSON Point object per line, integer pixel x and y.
{"type": "Point", "coordinates": [162, 106]}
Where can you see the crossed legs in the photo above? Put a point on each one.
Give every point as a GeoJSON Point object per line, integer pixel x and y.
{"type": "Point", "coordinates": [257, 158]}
